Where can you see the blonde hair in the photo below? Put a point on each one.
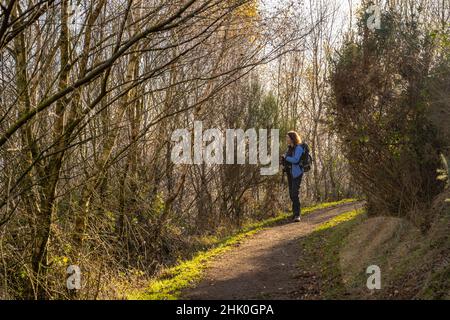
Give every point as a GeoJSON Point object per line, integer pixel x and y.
{"type": "Point", "coordinates": [295, 137]}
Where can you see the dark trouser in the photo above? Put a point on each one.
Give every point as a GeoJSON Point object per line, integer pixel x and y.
{"type": "Point", "coordinates": [294, 189]}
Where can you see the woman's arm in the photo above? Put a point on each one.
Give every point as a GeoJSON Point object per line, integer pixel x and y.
{"type": "Point", "coordinates": [297, 155]}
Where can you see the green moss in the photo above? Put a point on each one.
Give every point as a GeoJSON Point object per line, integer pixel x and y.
{"type": "Point", "coordinates": [325, 205]}
{"type": "Point", "coordinates": [169, 284]}
{"type": "Point", "coordinates": [339, 219]}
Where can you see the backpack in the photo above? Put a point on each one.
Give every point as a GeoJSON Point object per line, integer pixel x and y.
{"type": "Point", "coordinates": [306, 159]}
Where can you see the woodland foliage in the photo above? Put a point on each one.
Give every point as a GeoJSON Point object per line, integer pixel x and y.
{"type": "Point", "coordinates": [384, 95]}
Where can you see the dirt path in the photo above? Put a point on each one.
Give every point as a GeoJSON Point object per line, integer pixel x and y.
{"type": "Point", "coordinates": [264, 266]}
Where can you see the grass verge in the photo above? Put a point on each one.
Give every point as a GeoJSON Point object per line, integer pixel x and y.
{"type": "Point", "coordinates": [321, 272]}
{"type": "Point", "coordinates": [168, 285]}
{"type": "Point", "coordinates": [414, 265]}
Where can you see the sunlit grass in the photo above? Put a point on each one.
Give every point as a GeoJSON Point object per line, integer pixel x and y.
{"type": "Point", "coordinates": [321, 250]}
{"type": "Point", "coordinates": [171, 281]}
{"type": "Point", "coordinates": [339, 219]}
{"type": "Point", "coordinates": [325, 205]}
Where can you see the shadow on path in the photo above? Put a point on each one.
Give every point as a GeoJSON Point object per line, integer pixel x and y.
{"type": "Point", "coordinates": [264, 266]}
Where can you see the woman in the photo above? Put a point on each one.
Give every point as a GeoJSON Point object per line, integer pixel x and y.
{"type": "Point", "coordinates": [294, 170]}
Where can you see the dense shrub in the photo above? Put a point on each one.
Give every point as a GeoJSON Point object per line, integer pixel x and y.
{"type": "Point", "coordinates": [380, 108]}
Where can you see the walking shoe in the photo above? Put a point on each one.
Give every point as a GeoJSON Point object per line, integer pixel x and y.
{"type": "Point", "coordinates": [297, 219]}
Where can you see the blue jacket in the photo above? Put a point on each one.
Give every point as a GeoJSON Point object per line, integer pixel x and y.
{"type": "Point", "coordinates": [296, 170]}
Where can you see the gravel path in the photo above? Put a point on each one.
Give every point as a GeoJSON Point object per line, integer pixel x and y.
{"type": "Point", "coordinates": [265, 265]}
